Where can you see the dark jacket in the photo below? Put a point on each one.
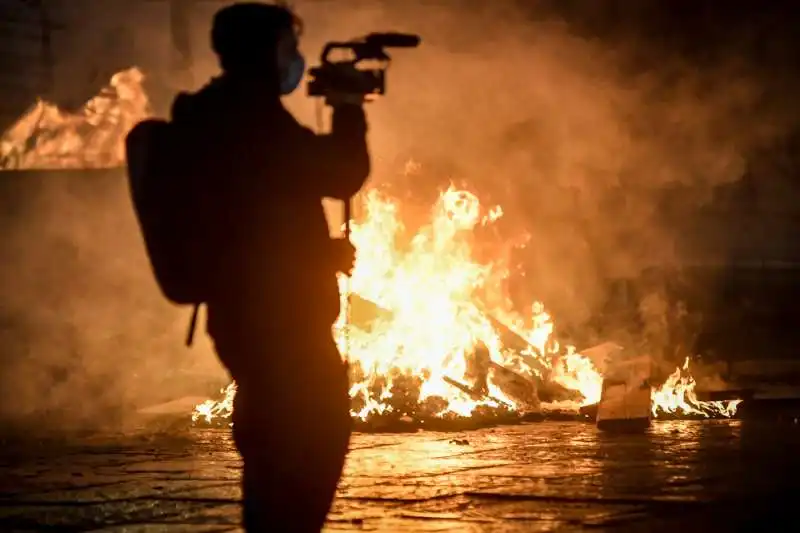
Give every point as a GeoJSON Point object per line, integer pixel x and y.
{"type": "Point", "coordinates": [261, 177]}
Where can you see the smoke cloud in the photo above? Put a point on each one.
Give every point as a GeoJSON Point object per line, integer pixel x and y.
{"type": "Point", "coordinates": [578, 137]}
{"type": "Point", "coordinates": [86, 337]}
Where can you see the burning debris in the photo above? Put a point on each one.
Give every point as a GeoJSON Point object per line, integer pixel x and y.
{"type": "Point", "coordinates": [425, 347]}
{"type": "Point", "coordinates": [93, 137]}
{"type": "Point", "coordinates": [677, 398]}
{"type": "Point", "coordinates": [426, 352]}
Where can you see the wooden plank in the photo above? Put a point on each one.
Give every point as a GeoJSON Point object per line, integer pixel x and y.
{"type": "Point", "coordinates": [517, 387]}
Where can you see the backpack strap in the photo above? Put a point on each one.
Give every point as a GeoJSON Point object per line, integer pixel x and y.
{"type": "Point", "coordinates": [192, 325]}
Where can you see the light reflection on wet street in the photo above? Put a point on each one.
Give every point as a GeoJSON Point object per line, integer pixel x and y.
{"type": "Point", "coordinates": [696, 476]}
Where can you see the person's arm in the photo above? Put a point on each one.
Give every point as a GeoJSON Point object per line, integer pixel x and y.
{"type": "Point", "coordinates": [337, 164]}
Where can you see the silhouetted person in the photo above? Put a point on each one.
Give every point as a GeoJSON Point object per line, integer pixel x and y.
{"type": "Point", "coordinates": [271, 266]}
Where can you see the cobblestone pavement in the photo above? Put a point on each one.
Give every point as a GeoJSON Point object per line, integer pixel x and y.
{"type": "Point", "coordinates": [704, 476]}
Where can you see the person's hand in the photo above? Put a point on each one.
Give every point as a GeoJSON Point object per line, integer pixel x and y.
{"type": "Point", "coordinates": [348, 76]}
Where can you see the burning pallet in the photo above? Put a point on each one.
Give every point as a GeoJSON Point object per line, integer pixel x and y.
{"type": "Point", "coordinates": [498, 393]}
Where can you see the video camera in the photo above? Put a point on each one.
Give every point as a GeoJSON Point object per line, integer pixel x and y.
{"type": "Point", "coordinates": [344, 76]}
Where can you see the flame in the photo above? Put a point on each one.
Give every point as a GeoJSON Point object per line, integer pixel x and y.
{"type": "Point", "coordinates": [93, 137]}
{"type": "Point", "coordinates": [428, 288]}
{"type": "Point", "coordinates": [577, 372]}
{"type": "Point", "coordinates": [677, 396]}
{"type": "Point", "coordinates": [428, 283]}
{"type": "Point", "coordinates": [212, 409]}
{"type": "Point", "coordinates": [431, 288]}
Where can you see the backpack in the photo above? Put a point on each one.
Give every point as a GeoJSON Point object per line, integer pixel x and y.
{"type": "Point", "coordinates": [161, 196]}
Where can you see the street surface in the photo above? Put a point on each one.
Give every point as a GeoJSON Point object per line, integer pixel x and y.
{"type": "Point", "coordinates": [681, 476]}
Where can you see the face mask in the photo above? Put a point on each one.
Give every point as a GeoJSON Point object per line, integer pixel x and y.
{"type": "Point", "coordinates": [293, 74]}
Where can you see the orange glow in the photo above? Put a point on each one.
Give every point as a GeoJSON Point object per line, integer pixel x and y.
{"type": "Point", "coordinates": [429, 288]}
{"type": "Point", "coordinates": [93, 137]}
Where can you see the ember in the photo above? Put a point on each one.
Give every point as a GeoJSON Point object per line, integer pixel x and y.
{"type": "Point", "coordinates": [429, 344]}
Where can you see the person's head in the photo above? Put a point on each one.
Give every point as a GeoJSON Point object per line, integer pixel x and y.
{"type": "Point", "coordinates": [256, 40]}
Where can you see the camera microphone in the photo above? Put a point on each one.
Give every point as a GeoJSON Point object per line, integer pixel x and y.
{"type": "Point", "coordinates": [393, 40]}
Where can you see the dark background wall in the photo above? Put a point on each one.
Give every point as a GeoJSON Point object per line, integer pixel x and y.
{"type": "Point", "coordinates": [24, 73]}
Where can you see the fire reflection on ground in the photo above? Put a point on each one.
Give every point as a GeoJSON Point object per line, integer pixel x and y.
{"type": "Point", "coordinates": [544, 477]}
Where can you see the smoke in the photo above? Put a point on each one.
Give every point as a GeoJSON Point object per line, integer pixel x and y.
{"type": "Point", "coordinates": [86, 337]}
{"type": "Point", "coordinates": [578, 137]}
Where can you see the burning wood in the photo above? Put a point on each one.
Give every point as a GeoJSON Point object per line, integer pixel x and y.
{"type": "Point", "coordinates": [477, 370]}
{"type": "Point", "coordinates": [677, 398]}
{"type": "Point", "coordinates": [403, 408]}
{"type": "Point", "coordinates": [528, 385]}
{"type": "Point", "coordinates": [511, 340]}
{"type": "Point", "coordinates": [474, 394]}
{"type": "Point", "coordinates": [523, 391]}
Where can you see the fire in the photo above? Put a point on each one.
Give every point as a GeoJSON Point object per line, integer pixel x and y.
{"type": "Point", "coordinates": [429, 321]}
{"type": "Point", "coordinates": [93, 137]}
{"type": "Point", "coordinates": [426, 286]}
{"type": "Point", "coordinates": [440, 339]}
{"type": "Point", "coordinates": [677, 396]}
{"type": "Point", "coordinates": [211, 409]}
{"type": "Point", "coordinates": [578, 373]}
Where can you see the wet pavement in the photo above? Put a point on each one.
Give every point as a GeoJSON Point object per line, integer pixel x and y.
{"type": "Point", "coordinates": [693, 476]}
